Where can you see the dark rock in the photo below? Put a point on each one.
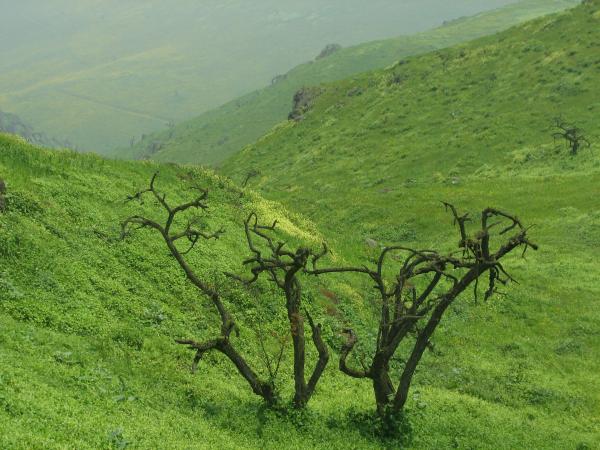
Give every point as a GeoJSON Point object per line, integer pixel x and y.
{"type": "Point", "coordinates": [329, 50]}
{"type": "Point", "coordinates": [303, 102]}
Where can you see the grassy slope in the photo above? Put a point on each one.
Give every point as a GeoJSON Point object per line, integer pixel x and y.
{"type": "Point", "coordinates": [475, 132]}
{"type": "Point", "coordinates": [81, 310]}
{"type": "Point", "coordinates": [215, 135]}
{"type": "Point", "coordinates": [87, 322]}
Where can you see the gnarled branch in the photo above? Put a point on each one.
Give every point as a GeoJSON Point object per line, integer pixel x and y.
{"type": "Point", "coordinates": [222, 343]}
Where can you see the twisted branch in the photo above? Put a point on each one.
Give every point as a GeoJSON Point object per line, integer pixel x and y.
{"type": "Point", "coordinates": [222, 343]}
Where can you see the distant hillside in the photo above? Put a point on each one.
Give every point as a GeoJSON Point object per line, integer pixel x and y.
{"type": "Point", "coordinates": [483, 109]}
{"type": "Point", "coordinates": [101, 72]}
{"type": "Point", "coordinates": [10, 123]}
{"type": "Point", "coordinates": [217, 134]}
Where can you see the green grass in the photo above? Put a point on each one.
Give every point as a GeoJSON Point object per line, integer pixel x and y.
{"type": "Point", "coordinates": [87, 322]}
{"type": "Point", "coordinates": [217, 134]}
{"type": "Point", "coordinates": [447, 121]}
{"type": "Point", "coordinates": [474, 130]}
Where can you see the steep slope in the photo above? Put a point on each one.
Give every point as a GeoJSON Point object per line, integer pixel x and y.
{"type": "Point", "coordinates": [100, 72]}
{"type": "Point", "coordinates": [472, 112]}
{"type": "Point", "coordinates": [217, 134]}
{"type": "Point", "coordinates": [471, 125]}
{"type": "Point", "coordinates": [87, 322]}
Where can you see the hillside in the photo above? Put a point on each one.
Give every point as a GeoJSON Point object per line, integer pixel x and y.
{"type": "Point", "coordinates": [101, 72]}
{"type": "Point", "coordinates": [376, 154]}
{"type": "Point", "coordinates": [221, 132]}
{"type": "Point", "coordinates": [12, 124]}
{"type": "Point", "coordinates": [88, 321]}
{"type": "Point", "coordinates": [444, 120]}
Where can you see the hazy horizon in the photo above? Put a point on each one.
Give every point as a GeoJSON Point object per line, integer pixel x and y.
{"type": "Point", "coordinates": [156, 62]}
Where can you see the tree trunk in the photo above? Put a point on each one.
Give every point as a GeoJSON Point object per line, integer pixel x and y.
{"type": "Point", "coordinates": [293, 295]}
{"type": "Point", "coordinates": [382, 384]}
{"type": "Point", "coordinates": [259, 387]}
{"type": "Point", "coordinates": [297, 329]}
{"type": "Point", "coordinates": [303, 391]}
{"type": "Point", "coordinates": [384, 389]}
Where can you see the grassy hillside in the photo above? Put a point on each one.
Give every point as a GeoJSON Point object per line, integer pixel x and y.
{"type": "Point", "coordinates": [377, 153]}
{"type": "Point", "coordinates": [100, 72]}
{"type": "Point", "coordinates": [10, 123]}
{"type": "Point", "coordinates": [217, 134]}
{"type": "Point", "coordinates": [479, 111]}
{"type": "Point", "coordinates": [87, 321]}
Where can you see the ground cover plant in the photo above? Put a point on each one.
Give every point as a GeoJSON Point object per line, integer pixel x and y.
{"type": "Point", "coordinates": [471, 124]}
{"type": "Point", "coordinates": [89, 324]}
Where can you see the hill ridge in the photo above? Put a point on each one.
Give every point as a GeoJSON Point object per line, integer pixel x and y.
{"type": "Point", "coordinates": [212, 137]}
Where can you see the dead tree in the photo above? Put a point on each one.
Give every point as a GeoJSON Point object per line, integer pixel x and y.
{"type": "Point", "coordinates": [283, 268]}
{"type": "Point", "coordinates": [190, 234]}
{"type": "Point", "coordinates": [573, 136]}
{"type": "Point", "coordinates": [414, 300]}
{"type": "Point", "coordinates": [251, 174]}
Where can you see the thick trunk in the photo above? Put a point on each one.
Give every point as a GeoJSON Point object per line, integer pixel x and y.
{"type": "Point", "coordinates": [293, 296]}
{"type": "Point", "coordinates": [384, 390]}
{"type": "Point", "coordinates": [297, 330]}
{"type": "Point", "coordinates": [382, 384]}
{"type": "Point", "coordinates": [304, 391]}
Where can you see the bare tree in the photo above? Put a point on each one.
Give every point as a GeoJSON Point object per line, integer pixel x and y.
{"type": "Point", "coordinates": [190, 233]}
{"type": "Point", "coordinates": [283, 268]}
{"type": "Point", "coordinates": [414, 300]}
{"type": "Point", "coordinates": [251, 174]}
{"type": "Point", "coordinates": [573, 136]}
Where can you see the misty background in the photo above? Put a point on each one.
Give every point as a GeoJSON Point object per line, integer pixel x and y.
{"type": "Point", "coordinates": [100, 72]}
